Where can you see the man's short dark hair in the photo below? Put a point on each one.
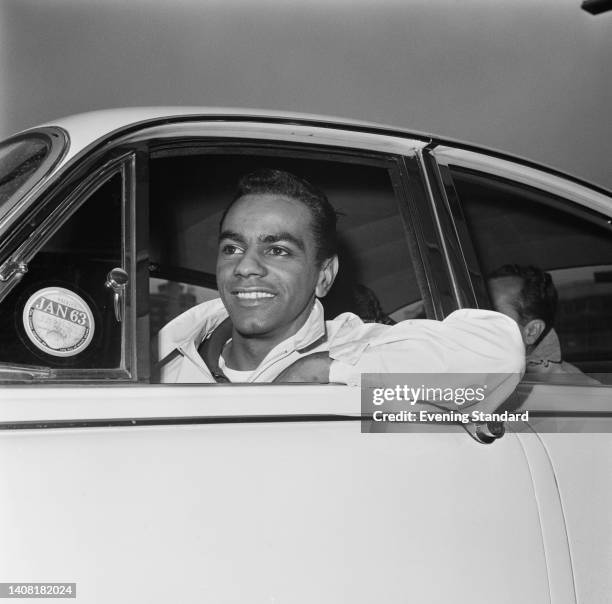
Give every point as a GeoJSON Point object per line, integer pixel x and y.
{"type": "Point", "coordinates": [538, 296]}
{"type": "Point", "coordinates": [277, 182]}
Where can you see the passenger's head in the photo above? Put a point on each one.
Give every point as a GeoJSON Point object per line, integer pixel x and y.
{"type": "Point", "coordinates": [284, 184]}
{"type": "Point", "coordinates": [277, 246]}
{"type": "Point", "coordinates": [527, 295]}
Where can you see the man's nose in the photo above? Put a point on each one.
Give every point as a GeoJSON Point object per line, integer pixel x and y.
{"type": "Point", "coordinates": [250, 264]}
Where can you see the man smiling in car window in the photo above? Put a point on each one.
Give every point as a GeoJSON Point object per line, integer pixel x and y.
{"type": "Point", "coordinates": [276, 257]}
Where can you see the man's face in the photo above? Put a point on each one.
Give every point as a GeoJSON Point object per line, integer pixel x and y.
{"type": "Point", "coordinates": [267, 272]}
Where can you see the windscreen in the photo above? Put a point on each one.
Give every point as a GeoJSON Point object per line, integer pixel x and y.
{"type": "Point", "coordinates": [20, 160]}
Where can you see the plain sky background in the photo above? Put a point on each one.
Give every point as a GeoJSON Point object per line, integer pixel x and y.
{"type": "Point", "coordinates": [531, 77]}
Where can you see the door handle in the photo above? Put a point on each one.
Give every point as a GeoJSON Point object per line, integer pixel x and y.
{"type": "Point", "coordinates": [486, 432]}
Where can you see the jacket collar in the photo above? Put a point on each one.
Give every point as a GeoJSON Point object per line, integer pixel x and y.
{"type": "Point", "coordinates": [548, 350]}
{"type": "Point", "coordinates": [312, 331]}
{"type": "Point", "coordinates": [204, 329]}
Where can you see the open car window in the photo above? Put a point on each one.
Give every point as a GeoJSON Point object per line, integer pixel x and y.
{"type": "Point", "coordinates": [189, 190]}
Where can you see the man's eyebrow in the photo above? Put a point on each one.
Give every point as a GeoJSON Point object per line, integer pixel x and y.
{"type": "Point", "coordinates": [231, 235]}
{"type": "Point", "coordinates": [283, 237]}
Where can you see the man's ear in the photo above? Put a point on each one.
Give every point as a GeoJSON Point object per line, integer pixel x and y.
{"type": "Point", "coordinates": [327, 274]}
{"type": "Point", "coordinates": [533, 330]}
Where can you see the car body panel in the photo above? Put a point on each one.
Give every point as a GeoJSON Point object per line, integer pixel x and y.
{"type": "Point", "coordinates": [580, 451]}
{"type": "Point", "coordinates": [279, 512]}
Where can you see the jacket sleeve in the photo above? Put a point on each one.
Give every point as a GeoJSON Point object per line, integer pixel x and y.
{"type": "Point", "coordinates": [468, 341]}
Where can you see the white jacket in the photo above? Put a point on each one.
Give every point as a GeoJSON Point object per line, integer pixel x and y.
{"type": "Point", "coordinates": [468, 341]}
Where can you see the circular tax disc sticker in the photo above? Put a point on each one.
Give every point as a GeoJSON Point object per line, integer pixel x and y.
{"type": "Point", "coordinates": [58, 321]}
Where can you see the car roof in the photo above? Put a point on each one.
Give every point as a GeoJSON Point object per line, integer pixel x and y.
{"type": "Point", "coordinates": [87, 129]}
{"type": "Point", "coordinates": [96, 124]}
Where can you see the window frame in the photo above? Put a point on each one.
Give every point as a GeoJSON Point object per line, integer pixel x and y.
{"type": "Point", "coordinates": [445, 215]}
{"type": "Point", "coordinates": [47, 217]}
{"type": "Point", "coordinates": [405, 178]}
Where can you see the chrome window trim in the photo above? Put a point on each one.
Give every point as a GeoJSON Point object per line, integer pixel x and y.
{"type": "Point", "coordinates": [278, 132]}
{"type": "Point", "coordinates": [448, 219]}
{"type": "Point", "coordinates": [446, 235]}
{"type": "Point", "coordinates": [527, 175]}
{"type": "Point", "coordinates": [465, 265]}
{"type": "Point", "coordinates": [427, 239]}
{"type": "Point", "coordinates": [128, 404]}
{"type": "Point", "coordinates": [129, 260]}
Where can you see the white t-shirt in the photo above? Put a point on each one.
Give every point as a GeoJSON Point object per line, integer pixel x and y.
{"type": "Point", "coordinates": [234, 375]}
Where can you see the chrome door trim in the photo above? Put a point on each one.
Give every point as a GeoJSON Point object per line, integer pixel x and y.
{"type": "Point", "coordinates": [527, 175]}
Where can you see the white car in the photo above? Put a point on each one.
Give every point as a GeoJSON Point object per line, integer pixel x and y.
{"type": "Point", "coordinates": [138, 491]}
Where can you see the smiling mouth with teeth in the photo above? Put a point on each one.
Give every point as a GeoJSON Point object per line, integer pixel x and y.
{"type": "Point", "coordinates": [253, 295]}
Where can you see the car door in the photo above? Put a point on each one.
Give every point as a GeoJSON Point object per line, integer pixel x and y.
{"type": "Point", "coordinates": [505, 213]}
{"type": "Point", "coordinates": [144, 491]}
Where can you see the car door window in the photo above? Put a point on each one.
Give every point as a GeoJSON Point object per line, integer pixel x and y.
{"type": "Point", "coordinates": [511, 223]}
{"type": "Point", "coordinates": [61, 315]}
